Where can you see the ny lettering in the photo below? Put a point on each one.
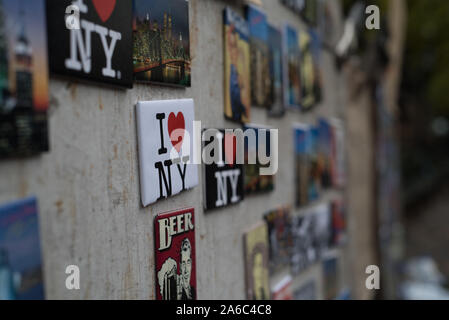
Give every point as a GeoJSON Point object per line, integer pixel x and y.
{"type": "Point", "coordinates": [222, 186]}
{"type": "Point", "coordinates": [83, 46]}
{"type": "Point", "coordinates": [165, 175]}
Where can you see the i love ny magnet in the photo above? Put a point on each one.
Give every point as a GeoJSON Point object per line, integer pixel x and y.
{"type": "Point", "coordinates": [91, 40]}
{"type": "Point", "coordinates": [166, 148]}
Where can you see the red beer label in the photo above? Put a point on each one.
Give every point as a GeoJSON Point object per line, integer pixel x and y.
{"type": "Point", "coordinates": [175, 255]}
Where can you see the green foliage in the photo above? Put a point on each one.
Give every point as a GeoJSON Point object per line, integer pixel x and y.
{"type": "Point", "coordinates": [366, 37]}
{"type": "Point", "coordinates": [426, 55]}
{"type": "Point", "coordinates": [426, 60]}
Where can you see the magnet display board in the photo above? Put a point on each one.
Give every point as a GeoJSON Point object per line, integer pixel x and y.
{"type": "Point", "coordinates": [89, 190]}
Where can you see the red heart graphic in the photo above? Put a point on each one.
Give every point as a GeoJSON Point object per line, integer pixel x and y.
{"type": "Point", "coordinates": [230, 148]}
{"type": "Point", "coordinates": [176, 129]}
{"type": "Point", "coordinates": [104, 8]}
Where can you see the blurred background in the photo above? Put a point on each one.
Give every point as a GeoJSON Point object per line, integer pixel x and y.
{"type": "Point", "coordinates": [424, 129]}
{"type": "Point", "coordinates": [421, 128]}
